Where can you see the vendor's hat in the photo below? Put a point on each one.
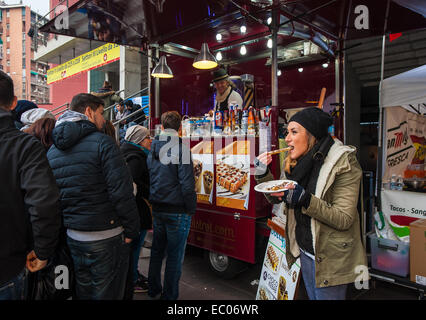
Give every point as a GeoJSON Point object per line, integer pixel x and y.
{"type": "Point", "coordinates": [219, 75]}
{"type": "Point", "coordinates": [136, 134]}
{"type": "Point", "coordinates": [314, 120]}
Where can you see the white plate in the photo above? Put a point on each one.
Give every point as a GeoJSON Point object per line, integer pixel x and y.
{"type": "Point", "coordinates": [263, 187]}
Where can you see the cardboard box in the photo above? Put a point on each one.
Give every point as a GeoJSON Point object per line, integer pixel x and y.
{"type": "Point", "coordinates": [418, 251]}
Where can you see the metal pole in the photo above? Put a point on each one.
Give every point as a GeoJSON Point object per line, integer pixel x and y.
{"type": "Point", "coordinates": [149, 88]}
{"type": "Point", "coordinates": [379, 145]}
{"type": "Point", "coordinates": [157, 88]}
{"type": "Point", "coordinates": [274, 65]}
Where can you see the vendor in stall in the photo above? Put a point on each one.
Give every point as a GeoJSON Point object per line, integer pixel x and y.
{"type": "Point", "coordinates": [226, 95]}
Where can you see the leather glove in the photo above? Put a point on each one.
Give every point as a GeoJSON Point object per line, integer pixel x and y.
{"type": "Point", "coordinates": [297, 196]}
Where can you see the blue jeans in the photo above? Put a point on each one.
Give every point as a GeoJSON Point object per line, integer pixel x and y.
{"type": "Point", "coordinates": [100, 268]}
{"type": "Point", "coordinates": [170, 232]}
{"type": "Point", "coordinates": [15, 289]}
{"type": "Point", "coordinates": [136, 250]}
{"type": "Point", "coordinates": [314, 293]}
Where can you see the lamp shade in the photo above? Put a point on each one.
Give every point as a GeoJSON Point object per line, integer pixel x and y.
{"type": "Point", "coordinates": [205, 60]}
{"type": "Point", "coordinates": [162, 70]}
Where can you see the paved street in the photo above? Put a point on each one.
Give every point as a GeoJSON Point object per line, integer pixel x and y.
{"type": "Point", "coordinates": [199, 283]}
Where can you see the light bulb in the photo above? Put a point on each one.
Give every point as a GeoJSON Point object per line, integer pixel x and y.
{"type": "Point", "coordinates": [269, 21]}
{"type": "Point", "coordinates": [300, 69]}
{"type": "Point", "coordinates": [218, 56]}
{"type": "Point", "coordinates": [325, 65]}
{"type": "Point", "coordinates": [243, 29]}
{"type": "Point", "coordinates": [269, 43]}
{"type": "Point", "coordinates": [278, 72]}
{"type": "Point", "coordinates": [243, 50]}
{"type": "Point", "coordinates": [218, 37]}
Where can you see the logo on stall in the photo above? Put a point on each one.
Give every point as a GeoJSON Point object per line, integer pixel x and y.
{"type": "Point", "coordinates": [105, 57]}
{"type": "Point", "coordinates": [399, 138]}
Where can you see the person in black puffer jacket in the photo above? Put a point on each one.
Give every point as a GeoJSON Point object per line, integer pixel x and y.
{"type": "Point", "coordinates": [96, 197]}
{"type": "Point", "coordinates": [30, 218]}
{"type": "Point", "coordinates": [135, 150]}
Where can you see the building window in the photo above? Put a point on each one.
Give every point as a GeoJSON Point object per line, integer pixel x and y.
{"type": "Point", "coordinates": [8, 63]}
{"type": "Point", "coordinates": [8, 51]}
{"type": "Point", "coordinates": [23, 63]}
{"type": "Point", "coordinates": [7, 26]}
{"type": "Point", "coordinates": [7, 39]}
{"type": "Point", "coordinates": [7, 13]}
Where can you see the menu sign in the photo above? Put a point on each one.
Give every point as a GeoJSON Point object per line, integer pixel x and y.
{"type": "Point", "coordinates": [233, 175]}
{"type": "Point", "coordinates": [277, 281]}
{"type": "Point", "coordinates": [202, 159]}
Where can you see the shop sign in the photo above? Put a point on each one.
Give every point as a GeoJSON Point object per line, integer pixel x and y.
{"type": "Point", "coordinates": [90, 60]}
{"type": "Point", "coordinates": [403, 203]}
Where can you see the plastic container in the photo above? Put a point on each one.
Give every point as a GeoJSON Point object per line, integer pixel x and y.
{"type": "Point", "coordinates": [393, 185]}
{"type": "Point", "coordinates": [390, 255]}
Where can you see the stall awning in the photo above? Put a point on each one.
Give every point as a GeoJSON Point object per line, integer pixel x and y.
{"type": "Point", "coordinates": [405, 89]}
{"type": "Point", "coordinates": [138, 22]}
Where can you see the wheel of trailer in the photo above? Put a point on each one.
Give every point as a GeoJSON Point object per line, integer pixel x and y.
{"type": "Point", "coordinates": [224, 266]}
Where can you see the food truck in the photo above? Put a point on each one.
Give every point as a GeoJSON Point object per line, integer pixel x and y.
{"type": "Point", "coordinates": [280, 56]}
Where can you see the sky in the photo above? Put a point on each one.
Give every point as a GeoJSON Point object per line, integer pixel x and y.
{"type": "Point", "coordinates": [40, 6]}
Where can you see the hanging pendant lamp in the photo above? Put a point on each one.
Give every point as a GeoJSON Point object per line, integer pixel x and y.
{"type": "Point", "coordinates": [205, 60]}
{"type": "Point", "coordinates": [162, 70]}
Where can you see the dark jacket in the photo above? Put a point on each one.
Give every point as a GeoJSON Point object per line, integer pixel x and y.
{"type": "Point", "coordinates": [136, 161]}
{"type": "Point", "coordinates": [172, 188]}
{"type": "Point", "coordinates": [138, 118]}
{"type": "Point", "coordinates": [95, 184]}
{"type": "Point", "coordinates": [28, 194]}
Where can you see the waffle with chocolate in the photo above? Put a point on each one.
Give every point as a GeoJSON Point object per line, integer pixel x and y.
{"type": "Point", "coordinates": [230, 177]}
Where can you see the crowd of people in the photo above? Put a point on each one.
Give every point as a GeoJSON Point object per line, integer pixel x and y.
{"type": "Point", "coordinates": [69, 188]}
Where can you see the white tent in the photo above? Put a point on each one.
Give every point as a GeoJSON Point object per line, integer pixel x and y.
{"type": "Point", "coordinates": [406, 89]}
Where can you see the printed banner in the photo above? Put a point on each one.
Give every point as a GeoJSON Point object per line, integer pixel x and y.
{"type": "Point", "coordinates": [202, 158]}
{"type": "Point", "coordinates": [277, 281]}
{"type": "Point", "coordinates": [233, 175]}
{"type": "Point", "coordinates": [405, 146]}
{"type": "Point", "coordinates": [403, 203]}
{"type": "Point", "coordinates": [87, 61]}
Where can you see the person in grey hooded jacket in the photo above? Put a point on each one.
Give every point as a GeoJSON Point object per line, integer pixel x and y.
{"type": "Point", "coordinates": [96, 196]}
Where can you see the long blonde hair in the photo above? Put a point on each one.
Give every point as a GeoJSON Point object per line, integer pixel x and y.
{"type": "Point", "coordinates": [291, 163]}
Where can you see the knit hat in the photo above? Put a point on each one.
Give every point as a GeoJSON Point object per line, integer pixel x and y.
{"type": "Point", "coordinates": [136, 134]}
{"type": "Point", "coordinates": [314, 120]}
{"type": "Point", "coordinates": [32, 115]}
{"type": "Point", "coordinates": [21, 107]}
{"type": "Point", "coordinates": [219, 75]}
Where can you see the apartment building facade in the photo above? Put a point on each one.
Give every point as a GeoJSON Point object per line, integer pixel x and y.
{"type": "Point", "coordinates": [17, 52]}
